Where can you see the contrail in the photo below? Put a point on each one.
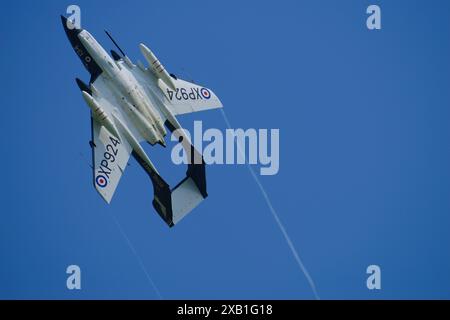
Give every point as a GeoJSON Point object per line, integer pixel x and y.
{"type": "Point", "coordinates": [137, 257]}
{"type": "Point", "coordinates": [277, 219]}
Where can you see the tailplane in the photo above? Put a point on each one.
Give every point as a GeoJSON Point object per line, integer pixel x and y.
{"type": "Point", "coordinates": [174, 204]}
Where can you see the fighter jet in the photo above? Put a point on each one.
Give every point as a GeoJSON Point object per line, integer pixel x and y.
{"type": "Point", "coordinates": [130, 104]}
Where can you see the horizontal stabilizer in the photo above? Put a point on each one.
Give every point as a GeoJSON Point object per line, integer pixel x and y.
{"type": "Point", "coordinates": [174, 204]}
{"type": "Point", "coordinates": [185, 197]}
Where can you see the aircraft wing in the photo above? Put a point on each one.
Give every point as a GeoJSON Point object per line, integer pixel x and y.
{"type": "Point", "coordinates": [110, 156]}
{"type": "Point", "coordinates": [110, 153]}
{"type": "Point", "coordinates": [189, 97]}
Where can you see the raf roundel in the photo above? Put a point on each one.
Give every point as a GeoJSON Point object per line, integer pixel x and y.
{"type": "Point", "coordinates": [205, 93]}
{"type": "Point", "coordinates": [101, 181]}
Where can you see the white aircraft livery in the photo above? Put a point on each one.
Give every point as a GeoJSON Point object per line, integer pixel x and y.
{"type": "Point", "coordinates": [131, 104]}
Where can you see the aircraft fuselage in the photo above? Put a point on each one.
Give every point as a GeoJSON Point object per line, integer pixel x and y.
{"type": "Point", "coordinates": [128, 90]}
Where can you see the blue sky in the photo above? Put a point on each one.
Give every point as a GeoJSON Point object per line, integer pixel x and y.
{"type": "Point", "coordinates": [364, 153]}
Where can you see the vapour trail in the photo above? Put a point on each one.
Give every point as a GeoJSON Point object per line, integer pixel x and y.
{"type": "Point", "coordinates": [137, 257]}
{"type": "Point", "coordinates": [277, 219]}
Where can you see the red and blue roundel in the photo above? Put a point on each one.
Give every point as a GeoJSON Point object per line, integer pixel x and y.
{"type": "Point", "coordinates": [205, 93]}
{"type": "Point", "coordinates": [101, 181]}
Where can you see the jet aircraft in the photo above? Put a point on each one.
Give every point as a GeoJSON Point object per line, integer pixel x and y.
{"type": "Point", "coordinates": [130, 104]}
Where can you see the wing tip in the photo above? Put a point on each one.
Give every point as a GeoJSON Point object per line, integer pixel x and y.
{"type": "Point", "coordinates": [106, 197]}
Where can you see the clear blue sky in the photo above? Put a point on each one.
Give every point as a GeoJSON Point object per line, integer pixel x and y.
{"type": "Point", "coordinates": [364, 175]}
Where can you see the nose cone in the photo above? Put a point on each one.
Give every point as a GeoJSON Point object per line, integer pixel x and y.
{"type": "Point", "coordinates": [69, 27]}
